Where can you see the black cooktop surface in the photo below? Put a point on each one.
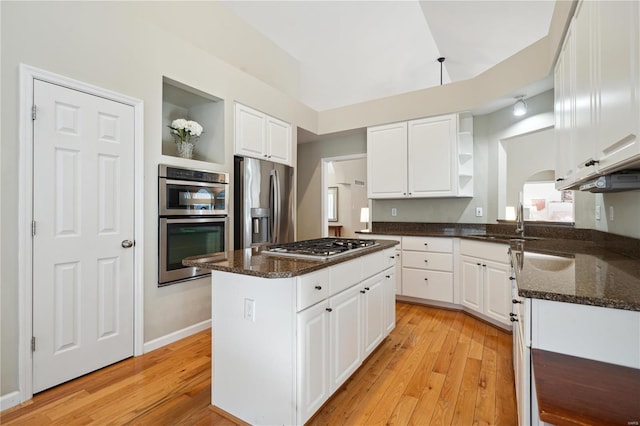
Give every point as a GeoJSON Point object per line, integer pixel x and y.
{"type": "Point", "coordinates": [319, 248]}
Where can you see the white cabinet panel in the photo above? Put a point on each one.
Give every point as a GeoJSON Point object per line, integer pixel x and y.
{"type": "Point", "coordinates": [372, 291]}
{"type": "Point", "coordinates": [428, 260]}
{"type": "Point", "coordinates": [432, 285]}
{"type": "Point", "coordinates": [433, 244]}
{"type": "Point", "coordinates": [278, 140]}
{"type": "Point", "coordinates": [387, 161]}
{"type": "Point", "coordinates": [346, 335]}
{"type": "Point", "coordinates": [497, 291]}
{"type": "Point", "coordinates": [389, 289]}
{"type": "Point", "coordinates": [261, 136]}
{"type": "Point", "coordinates": [312, 288]}
{"type": "Point", "coordinates": [344, 275]}
{"type": "Point", "coordinates": [471, 283]}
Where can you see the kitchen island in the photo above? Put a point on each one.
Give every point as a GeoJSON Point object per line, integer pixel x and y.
{"type": "Point", "coordinates": [288, 332]}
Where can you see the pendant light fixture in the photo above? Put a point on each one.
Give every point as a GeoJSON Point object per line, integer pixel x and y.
{"type": "Point", "coordinates": [520, 107]}
{"type": "Point", "coordinates": [441, 60]}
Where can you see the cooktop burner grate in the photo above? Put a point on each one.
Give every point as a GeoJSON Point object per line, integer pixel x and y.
{"type": "Point", "coordinates": [321, 248]}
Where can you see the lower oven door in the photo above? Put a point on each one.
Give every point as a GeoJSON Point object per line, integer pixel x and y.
{"type": "Point", "coordinates": [181, 237]}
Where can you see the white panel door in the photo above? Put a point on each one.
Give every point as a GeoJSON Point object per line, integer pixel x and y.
{"type": "Point", "coordinates": [250, 132]}
{"type": "Point", "coordinates": [471, 282]}
{"type": "Point", "coordinates": [372, 291]}
{"type": "Point", "coordinates": [387, 161]}
{"type": "Point", "coordinates": [345, 322]}
{"type": "Point", "coordinates": [497, 291]}
{"type": "Point", "coordinates": [431, 154]}
{"type": "Point", "coordinates": [83, 208]}
{"type": "Point", "coordinates": [313, 360]}
{"type": "Point", "coordinates": [278, 140]}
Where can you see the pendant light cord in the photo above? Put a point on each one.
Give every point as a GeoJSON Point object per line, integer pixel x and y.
{"type": "Point", "coordinates": [441, 60]}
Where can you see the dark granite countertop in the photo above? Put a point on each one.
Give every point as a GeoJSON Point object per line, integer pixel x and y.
{"type": "Point", "coordinates": [256, 263]}
{"type": "Point", "coordinates": [561, 264]}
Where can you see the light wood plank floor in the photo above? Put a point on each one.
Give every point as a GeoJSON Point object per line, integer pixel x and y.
{"type": "Point", "coordinates": [436, 367]}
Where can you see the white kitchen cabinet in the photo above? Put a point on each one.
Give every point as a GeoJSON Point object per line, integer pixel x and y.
{"type": "Point", "coordinates": [427, 268]}
{"type": "Point", "coordinates": [397, 258]}
{"type": "Point", "coordinates": [345, 335]}
{"type": "Point", "coordinates": [421, 158]}
{"type": "Point", "coordinates": [372, 293]}
{"type": "Point", "coordinates": [313, 359]}
{"type": "Point", "coordinates": [261, 136]}
{"type": "Point", "coordinates": [485, 280]}
{"type": "Point", "coordinates": [389, 299]}
{"type": "Point", "coordinates": [597, 102]}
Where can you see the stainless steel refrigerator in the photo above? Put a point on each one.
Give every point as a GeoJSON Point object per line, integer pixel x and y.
{"type": "Point", "coordinates": [263, 203]}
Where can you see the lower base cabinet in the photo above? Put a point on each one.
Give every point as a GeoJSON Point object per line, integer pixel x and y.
{"type": "Point", "coordinates": [337, 335]}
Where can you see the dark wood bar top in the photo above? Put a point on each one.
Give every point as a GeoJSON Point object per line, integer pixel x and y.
{"type": "Point", "coordinates": [578, 391]}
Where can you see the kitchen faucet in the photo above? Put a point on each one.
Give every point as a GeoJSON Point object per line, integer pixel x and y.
{"type": "Point", "coordinates": [520, 219]}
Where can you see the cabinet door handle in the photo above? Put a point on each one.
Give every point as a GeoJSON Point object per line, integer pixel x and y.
{"type": "Point", "coordinates": [426, 261]}
{"type": "Point", "coordinates": [511, 314]}
{"type": "Point", "coordinates": [367, 288]}
{"type": "Point", "coordinates": [514, 301]}
{"type": "Point", "coordinates": [362, 291]}
{"type": "Point", "coordinates": [426, 279]}
{"type": "Point", "coordinates": [318, 287]}
{"type": "Point", "coordinates": [387, 276]}
{"type": "Point", "coordinates": [478, 264]}
{"type": "Point", "coordinates": [512, 278]}
{"type": "Point", "coordinates": [591, 163]}
{"type": "Point", "coordinates": [392, 257]}
{"type": "Point", "coordinates": [512, 319]}
{"type": "Point", "coordinates": [329, 310]}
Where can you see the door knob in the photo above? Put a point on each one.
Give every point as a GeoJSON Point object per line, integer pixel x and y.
{"type": "Point", "coordinates": [127, 243]}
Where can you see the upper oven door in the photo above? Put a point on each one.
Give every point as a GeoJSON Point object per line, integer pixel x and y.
{"type": "Point", "coordinates": [182, 197]}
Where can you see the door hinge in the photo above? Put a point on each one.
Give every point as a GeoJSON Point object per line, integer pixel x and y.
{"type": "Point", "coordinates": [33, 228]}
{"type": "Point", "coordinates": [33, 343]}
{"type": "Point", "coordinates": [33, 112]}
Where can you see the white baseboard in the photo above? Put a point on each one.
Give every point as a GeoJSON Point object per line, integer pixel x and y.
{"type": "Point", "coordinates": [9, 400]}
{"type": "Point", "coordinates": [176, 335]}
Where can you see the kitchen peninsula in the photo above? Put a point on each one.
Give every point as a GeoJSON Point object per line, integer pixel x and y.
{"type": "Point", "coordinates": [287, 332]}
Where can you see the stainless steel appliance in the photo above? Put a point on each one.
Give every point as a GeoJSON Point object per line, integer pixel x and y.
{"type": "Point", "coordinates": [193, 207]}
{"type": "Point", "coordinates": [263, 203]}
{"type": "Point", "coordinates": [320, 248]}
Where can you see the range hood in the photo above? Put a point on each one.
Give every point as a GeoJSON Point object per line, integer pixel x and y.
{"type": "Point", "coordinates": [627, 180]}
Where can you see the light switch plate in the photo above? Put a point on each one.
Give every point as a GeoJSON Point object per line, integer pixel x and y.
{"type": "Point", "coordinates": [394, 212]}
{"type": "Point", "coordinates": [598, 212]}
{"type": "Point", "coordinates": [478, 211]}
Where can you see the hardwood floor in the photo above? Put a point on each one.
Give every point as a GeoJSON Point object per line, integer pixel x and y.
{"type": "Point", "coordinates": [436, 367]}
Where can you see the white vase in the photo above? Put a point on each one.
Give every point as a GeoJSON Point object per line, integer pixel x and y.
{"type": "Point", "coordinates": [185, 149]}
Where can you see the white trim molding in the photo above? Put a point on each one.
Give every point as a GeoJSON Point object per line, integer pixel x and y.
{"type": "Point", "coordinates": [9, 400]}
{"type": "Point", "coordinates": [25, 208]}
{"type": "Point", "coordinates": [176, 335]}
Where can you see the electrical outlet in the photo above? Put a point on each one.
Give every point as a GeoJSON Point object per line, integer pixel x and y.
{"type": "Point", "coordinates": [597, 212]}
{"type": "Point", "coordinates": [250, 310]}
{"type": "Point", "coordinates": [611, 213]}
{"type": "Point", "coordinates": [478, 211]}
{"type": "Point", "coordinates": [394, 212]}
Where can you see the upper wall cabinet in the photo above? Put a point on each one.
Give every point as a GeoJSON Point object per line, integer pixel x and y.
{"type": "Point", "coordinates": [429, 157]}
{"type": "Point", "coordinates": [182, 101]}
{"type": "Point", "coordinates": [261, 136]}
{"type": "Point", "coordinates": [597, 98]}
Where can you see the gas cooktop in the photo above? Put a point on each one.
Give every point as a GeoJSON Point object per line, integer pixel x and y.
{"type": "Point", "coordinates": [319, 249]}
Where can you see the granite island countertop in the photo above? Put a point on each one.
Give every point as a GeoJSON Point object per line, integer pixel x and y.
{"type": "Point", "coordinates": [253, 261]}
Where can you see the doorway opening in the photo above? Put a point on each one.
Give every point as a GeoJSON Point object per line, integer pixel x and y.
{"type": "Point", "coordinates": [345, 207]}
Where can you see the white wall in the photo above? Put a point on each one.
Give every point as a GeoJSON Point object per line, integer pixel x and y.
{"type": "Point", "coordinates": [127, 47]}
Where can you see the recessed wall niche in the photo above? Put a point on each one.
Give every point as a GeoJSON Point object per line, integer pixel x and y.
{"type": "Point", "coordinates": [182, 101]}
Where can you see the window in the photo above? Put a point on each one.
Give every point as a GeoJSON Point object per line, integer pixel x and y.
{"type": "Point", "coordinates": [543, 203]}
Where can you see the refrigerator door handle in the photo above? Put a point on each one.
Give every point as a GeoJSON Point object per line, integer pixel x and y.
{"type": "Point", "coordinates": [275, 207]}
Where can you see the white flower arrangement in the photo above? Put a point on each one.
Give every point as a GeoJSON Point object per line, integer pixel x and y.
{"type": "Point", "coordinates": [185, 130]}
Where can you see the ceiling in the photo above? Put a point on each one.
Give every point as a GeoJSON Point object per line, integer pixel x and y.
{"type": "Point", "coordinates": [355, 51]}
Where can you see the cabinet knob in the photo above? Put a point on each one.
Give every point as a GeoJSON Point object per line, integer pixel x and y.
{"type": "Point", "coordinates": [478, 264]}
{"type": "Point", "coordinates": [591, 163]}
{"type": "Point", "coordinates": [426, 244]}
{"type": "Point", "coordinates": [329, 310]}
{"type": "Point", "coordinates": [265, 155]}
{"type": "Point", "coordinates": [426, 261]}
{"type": "Point", "coordinates": [367, 288]}
{"type": "Point", "coordinates": [392, 257]}
{"type": "Point", "coordinates": [559, 179]}
{"type": "Point", "coordinates": [426, 279]}
{"type": "Point", "coordinates": [387, 276]}
{"type": "Point", "coordinates": [511, 314]}
{"type": "Point", "coordinates": [514, 301]}
{"type": "Point", "coordinates": [318, 287]}
{"type": "Point", "coordinates": [512, 319]}
{"type": "Point", "coordinates": [512, 278]}
{"type": "Point", "coordinates": [362, 291]}
{"type": "Point", "coordinates": [484, 266]}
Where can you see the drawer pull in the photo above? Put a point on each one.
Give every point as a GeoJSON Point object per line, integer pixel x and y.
{"type": "Point", "coordinates": [478, 264]}
{"type": "Point", "coordinates": [318, 287]}
{"type": "Point", "coordinates": [392, 257]}
{"type": "Point", "coordinates": [426, 244]}
{"type": "Point", "coordinates": [328, 309]}
{"type": "Point", "coordinates": [484, 266]}
{"type": "Point", "coordinates": [514, 301]}
{"type": "Point", "coordinates": [512, 319]}
{"type": "Point", "coordinates": [426, 279]}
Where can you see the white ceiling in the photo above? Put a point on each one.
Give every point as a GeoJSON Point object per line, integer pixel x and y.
{"type": "Point", "coordinates": [354, 51]}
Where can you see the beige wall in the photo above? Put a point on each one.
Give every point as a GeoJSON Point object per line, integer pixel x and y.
{"type": "Point", "coordinates": [309, 195]}
{"type": "Point", "coordinates": [128, 47]}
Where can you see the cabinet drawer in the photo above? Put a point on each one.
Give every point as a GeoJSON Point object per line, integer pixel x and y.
{"type": "Point", "coordinates": [489, 251]}
{"type": "Point", "coordinates": [312, 288]}
{"type": "Point", "coordinates": [428, 260]}
{"type": "Point", "coordinates": [433, 285]}
{"type": "Point", "coordinates": [344, 275]}
{"type": "Point", "coordinates": [443, 245]}
{"type": "Point", "coordinates": [378, 262]}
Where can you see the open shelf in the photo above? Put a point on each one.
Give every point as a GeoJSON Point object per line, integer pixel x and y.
{"type": "Point", "coordinates": [182, 101]}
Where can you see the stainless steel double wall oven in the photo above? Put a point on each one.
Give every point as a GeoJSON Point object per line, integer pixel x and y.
{"type": "Point", "coordinates": [193, 210]}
